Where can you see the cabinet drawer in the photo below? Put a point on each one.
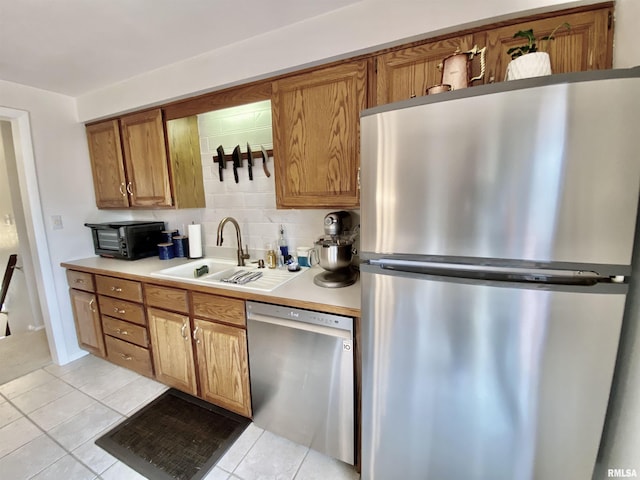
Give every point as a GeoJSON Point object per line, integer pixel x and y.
{"type": "Point", "coordinates": [131, 312]}
{"type": "Point", "coordinates": [119, 288]}
{"type": "Point", "coordinates": [221, 309]}
{"type": "Point", "coordinates": [80, 280]}
{"type": "Point", "coordinates": [129, 356]}
{"type": "Point", "coordinates": [166, 298]}
{"type": "Point", "coordinates": [125, 331]}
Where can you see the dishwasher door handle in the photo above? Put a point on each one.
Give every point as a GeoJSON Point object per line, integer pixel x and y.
{"type": "Point", "coordinates": [297, 325]}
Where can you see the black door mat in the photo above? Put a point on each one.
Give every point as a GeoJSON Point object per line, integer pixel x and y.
{"type": "Point", "coordinates": [175, 437]}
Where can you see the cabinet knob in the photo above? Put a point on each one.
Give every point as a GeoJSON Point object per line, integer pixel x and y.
{"type": "Point", "coordinates": [117, 310]}
{"type": "Point", "coordinates": [122, 332]}
{"type": "Point", "coordinates": [126, 357]}
{"type": "Point", "coordinates": [79, 280]}
{"type": "Point", "coordinates": [116, 289]}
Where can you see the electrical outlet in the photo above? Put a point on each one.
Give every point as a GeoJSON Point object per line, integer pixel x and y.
{"type": "Point", "coordinates": [56, 222]}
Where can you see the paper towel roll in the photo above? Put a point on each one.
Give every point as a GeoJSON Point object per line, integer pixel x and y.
{"type": "Point", "coordinates": [195, 240]}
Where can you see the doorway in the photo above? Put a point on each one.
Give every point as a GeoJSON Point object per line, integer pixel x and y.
{"type": "Point", "coordinates": [27, 347]}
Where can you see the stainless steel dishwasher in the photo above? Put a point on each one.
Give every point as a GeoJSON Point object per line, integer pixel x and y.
{"type": "Point", "coordinates": [301, 366]}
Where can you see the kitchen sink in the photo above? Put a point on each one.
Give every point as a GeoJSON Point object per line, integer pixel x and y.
{"type": "Point", "coordinates": [219, 271]}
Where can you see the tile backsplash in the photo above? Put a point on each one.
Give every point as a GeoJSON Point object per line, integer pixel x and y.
{"type": "Point", "coordinates": [251, 203]}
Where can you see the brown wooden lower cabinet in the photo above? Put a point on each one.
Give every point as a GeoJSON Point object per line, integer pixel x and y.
{"type": "Point", "coordinates": [172, 349]}
{"type": "Point", "coordinates": [205, 354]}
{"type": "Point", "coordinates": [87, 320]}
{"type": "Point", "coordinates": [195, 342]}
{"type": "Point", "coordinates": [223, 365]}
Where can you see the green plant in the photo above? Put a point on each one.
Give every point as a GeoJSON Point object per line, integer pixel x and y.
{"type": "Point", "coordinates": [531, 45]}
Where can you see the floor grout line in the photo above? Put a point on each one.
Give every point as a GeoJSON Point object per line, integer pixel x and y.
{"type": "Point", "coordinates": [231, 475]}
{"type": "Point", "coordinates": [44, 432]}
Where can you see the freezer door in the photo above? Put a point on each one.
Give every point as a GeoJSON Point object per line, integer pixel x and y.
{"type": "Point", "coordinates": [547, 174]}
{"type": "Point", "coordinates": [479, 381]}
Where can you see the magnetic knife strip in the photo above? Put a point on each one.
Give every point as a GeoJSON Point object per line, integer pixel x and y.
{"type": "Point", "coordinates": [237, 158]}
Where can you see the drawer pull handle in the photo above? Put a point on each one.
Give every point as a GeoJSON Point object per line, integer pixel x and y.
{"type": "Point", "coordinates": [195, 332]}
{"type": "Point", "coordinates": [91, 304]}
{"type": "Point", "coordinates": [79, 280]}
{"type": "Point", "coordinates": [126, 357]}
{"type": "Point", "coordinates": [122, 332]}
{"type": "Point", "coordinates": [116, 289]}
{"type": "Point", "coordinates": [117, 310]}
{"type": "Point", "coordinates": [183, 331]}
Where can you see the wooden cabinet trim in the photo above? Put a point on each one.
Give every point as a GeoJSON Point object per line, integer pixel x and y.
{"type": "Point", "coordinates": [225, 98]}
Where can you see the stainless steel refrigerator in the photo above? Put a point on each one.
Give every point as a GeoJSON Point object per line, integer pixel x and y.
{"type": "Point", "coordinates": [497, 230]}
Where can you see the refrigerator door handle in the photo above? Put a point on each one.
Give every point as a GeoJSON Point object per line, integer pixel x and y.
{"type": "Point", "coordinates": [487, 272]}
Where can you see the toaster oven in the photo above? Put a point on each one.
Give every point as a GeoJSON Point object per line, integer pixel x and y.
{"type": "Point", "coordinates": [126, 240]}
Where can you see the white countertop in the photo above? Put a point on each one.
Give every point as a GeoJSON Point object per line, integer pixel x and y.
{"type": "Point", "coordinates": [298, 292]}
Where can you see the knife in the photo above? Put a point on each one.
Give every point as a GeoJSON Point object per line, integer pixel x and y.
{"type": "Point", "coordinates": [265, 157]}
{"type": "Point", "coordinates": [237, 161]}
{"type": "Point", "coordinates": [249, 161]}
{"type": "Point", "coordinates": [221, 162]}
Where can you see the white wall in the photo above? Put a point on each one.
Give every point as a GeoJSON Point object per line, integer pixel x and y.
{"type": "Point", "coordinates": [361, 26]}
{"type": "Point", "coordinates": [65, 188]}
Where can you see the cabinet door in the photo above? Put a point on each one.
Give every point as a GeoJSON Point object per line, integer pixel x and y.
{"type": "Point", "coordinates": [172, 350]}
{"type": "Point", "coordinates": [105, 151]}
{"type": "Point", "coordinates": [587, 45]}
{"type": "Point", "coordinates": [316, 132]}
{"type": "Point", "coordinates": [146, 159]}
{"type": "Point", "coordinates": [87, 320]}
{"type": "Point", "coordinates": [223, 366]}
{"type": "Point", "coordinates": [408, 73]}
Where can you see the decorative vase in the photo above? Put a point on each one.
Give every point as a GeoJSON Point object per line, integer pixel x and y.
{"type": "Point", "coordinates": [530, 65]}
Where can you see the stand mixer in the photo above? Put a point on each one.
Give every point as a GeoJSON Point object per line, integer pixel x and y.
{"type": "Point", "coordinates": [335, 251]}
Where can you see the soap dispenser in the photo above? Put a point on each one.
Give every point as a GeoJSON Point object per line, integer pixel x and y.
{"type": "Point", "coordinates": [282, 244]}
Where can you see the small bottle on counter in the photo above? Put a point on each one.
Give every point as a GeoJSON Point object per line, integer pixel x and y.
{"type": "Point", "coordinates": [271, 258]}
{"type": "Point", "coordinates": [282, 244]}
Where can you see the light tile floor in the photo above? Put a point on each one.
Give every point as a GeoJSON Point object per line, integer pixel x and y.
{"type": "Point", "coordinates": [50, 418]}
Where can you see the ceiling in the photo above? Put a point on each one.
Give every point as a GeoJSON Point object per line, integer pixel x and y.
{"type": "Point", "coordinates": [77, 46]}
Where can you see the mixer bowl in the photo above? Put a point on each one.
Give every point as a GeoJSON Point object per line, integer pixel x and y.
{"type": "Point", "coordinates": [332, 256]}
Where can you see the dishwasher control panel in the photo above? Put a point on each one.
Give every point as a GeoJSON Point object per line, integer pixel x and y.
{"type": "Point", "coordinates": [307, 316]}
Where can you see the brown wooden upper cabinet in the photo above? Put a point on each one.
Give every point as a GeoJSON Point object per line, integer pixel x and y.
{"type": "Point", "coordinates": [407, 73]}
{"type": "Point", "coordinates": [587, 45]}
{"type": "Point", "coordinates": [135, 165]}
{"type": "Point", "coordinates": [316, 136]}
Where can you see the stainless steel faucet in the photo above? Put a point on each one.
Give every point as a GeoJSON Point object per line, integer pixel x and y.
{"type": "Point", "coordinates": [241, 255]}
